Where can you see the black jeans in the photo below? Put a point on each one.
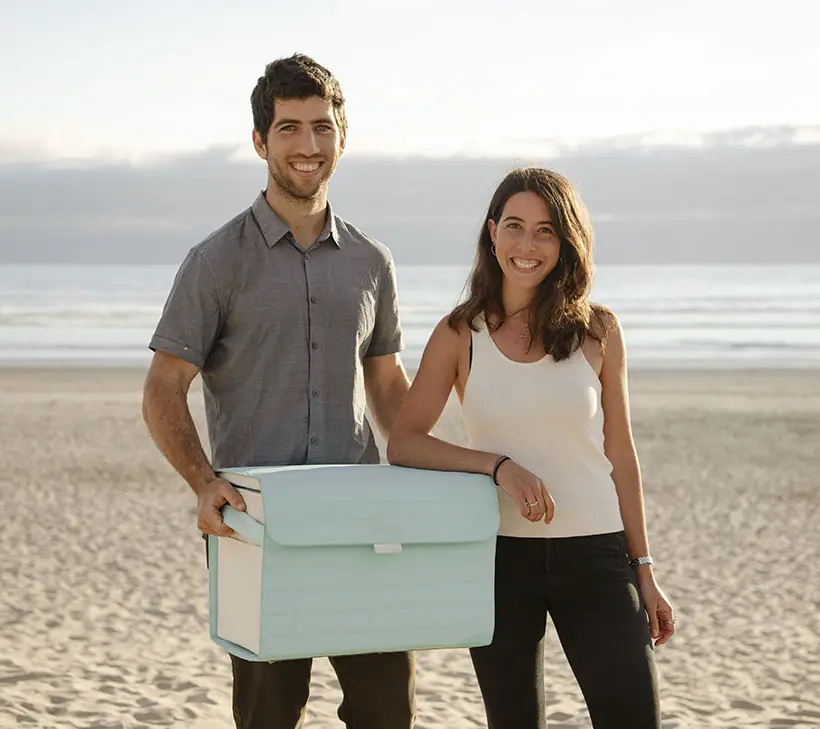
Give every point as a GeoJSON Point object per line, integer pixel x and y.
{"type": "Point", "coordinates": [588, 588]}
{"type": "Point", "coordinates": [378, 690]}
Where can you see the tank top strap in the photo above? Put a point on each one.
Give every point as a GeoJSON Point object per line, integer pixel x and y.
{"type": "Point", "coordinates": [477, 337]}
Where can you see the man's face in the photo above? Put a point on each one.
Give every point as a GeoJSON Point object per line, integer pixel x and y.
{"type": "Point", "coordinates": [303, 146]}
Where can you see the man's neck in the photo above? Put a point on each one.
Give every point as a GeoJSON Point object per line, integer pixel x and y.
{"type": "Point", "coordinates": [305, 218]}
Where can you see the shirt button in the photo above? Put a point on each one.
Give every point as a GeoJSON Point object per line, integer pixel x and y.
{"type": "Point", "coordinates": [314, 346]}
{"type": "Point", "coordinates": [314, 440]}
{"type": "Point", "coordinates": [312, 299]}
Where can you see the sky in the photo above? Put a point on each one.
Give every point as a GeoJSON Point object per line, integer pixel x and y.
{"type": "Point", "coordinates": [95, 79]}
{"type": "Point", "coordinates": [692, 129]}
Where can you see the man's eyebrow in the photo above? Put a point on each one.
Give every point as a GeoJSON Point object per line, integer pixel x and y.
{"type": "Point", "coordinates": [321, 120]}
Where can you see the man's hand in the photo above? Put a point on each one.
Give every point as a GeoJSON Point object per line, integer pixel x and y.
{"type": "Point", "coordinates": [210, 499]}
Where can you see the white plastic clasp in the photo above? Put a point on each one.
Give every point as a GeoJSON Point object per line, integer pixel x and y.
{"type": "Point", "coordinates": [387, 548]}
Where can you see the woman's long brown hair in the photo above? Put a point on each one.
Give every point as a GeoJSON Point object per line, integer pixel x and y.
{"type": "Point", "coordinates": [561, 314]}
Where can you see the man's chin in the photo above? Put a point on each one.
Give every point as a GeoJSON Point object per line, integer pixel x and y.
{"type": "Point", "coordinates": [303, 191]}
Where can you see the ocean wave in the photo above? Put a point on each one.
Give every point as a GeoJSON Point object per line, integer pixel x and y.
{"type": "Point", "coordinates": [704, 315]}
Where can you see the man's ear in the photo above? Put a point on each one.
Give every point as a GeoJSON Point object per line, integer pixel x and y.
{"type": "Point", "coordinates": [259, 145]}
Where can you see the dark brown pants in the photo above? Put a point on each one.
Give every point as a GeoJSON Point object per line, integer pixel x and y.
{"type": "Point", "coordinates": [378, 692]}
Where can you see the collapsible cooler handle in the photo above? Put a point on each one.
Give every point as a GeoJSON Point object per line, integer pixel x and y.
{"type": "Point", "coordinates": [243, 524]}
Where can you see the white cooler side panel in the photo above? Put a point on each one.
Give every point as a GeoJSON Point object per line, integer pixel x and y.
{"type": "Point", "coordinates": [239, 591]}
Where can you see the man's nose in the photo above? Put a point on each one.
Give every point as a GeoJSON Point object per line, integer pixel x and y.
{"type": "Point", "coordinates": [308, 144]}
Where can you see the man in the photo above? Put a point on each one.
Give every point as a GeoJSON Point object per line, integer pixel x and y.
{"type": "Point", "coordinates": [290, 315]}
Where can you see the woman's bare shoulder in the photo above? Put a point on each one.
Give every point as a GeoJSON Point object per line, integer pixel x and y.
{"type": "Point", "coordinates": [449, 335]}
{"type": "Point", "coordinates": [457, 328]}
{"type": "Point", "coordinates": [603, 322]}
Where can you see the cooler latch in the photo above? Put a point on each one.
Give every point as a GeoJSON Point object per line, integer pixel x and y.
{"type": "Point", "coordinates": [387, 548]}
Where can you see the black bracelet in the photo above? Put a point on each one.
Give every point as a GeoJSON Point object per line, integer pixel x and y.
{"type": "Point", "coordinates": [497, 466]}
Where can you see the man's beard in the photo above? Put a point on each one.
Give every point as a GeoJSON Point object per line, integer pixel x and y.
{"type": "Point", "coordinates": [293, 191]}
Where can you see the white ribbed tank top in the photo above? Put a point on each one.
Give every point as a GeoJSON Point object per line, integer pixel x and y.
{"type": "Point", "coordinates": [546, 416]}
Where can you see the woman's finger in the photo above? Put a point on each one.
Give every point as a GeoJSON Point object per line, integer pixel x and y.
{"type": "Point", "coordinates": [536, 507]}
{"type": "Point", "coordinates": [523, 506]}
{"type": "Point", "coordinates": [652, 613]}
{"type": "Point", "coordinates": [667, 631]}
{"type": "Point", "coordinates": [666, 623]}
{"type": "Point", "coordinates": [549, 504]}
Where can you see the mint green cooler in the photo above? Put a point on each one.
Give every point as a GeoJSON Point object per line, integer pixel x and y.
{"type": "Point", "coordinates": [336, 560]}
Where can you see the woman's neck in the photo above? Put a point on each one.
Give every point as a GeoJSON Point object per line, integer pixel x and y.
{"type": "Point", "coordinates": [515, 300]}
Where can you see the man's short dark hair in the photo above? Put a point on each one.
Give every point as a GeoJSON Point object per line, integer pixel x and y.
{"type": "Point", "coordinates": [295, 77]}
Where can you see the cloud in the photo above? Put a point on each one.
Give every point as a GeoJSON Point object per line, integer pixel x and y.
{"type": "Point", "coordinates": [742, 195]}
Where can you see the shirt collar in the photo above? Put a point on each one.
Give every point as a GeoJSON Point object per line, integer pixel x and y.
{"type": "Point", "coordinates": [274, 228]}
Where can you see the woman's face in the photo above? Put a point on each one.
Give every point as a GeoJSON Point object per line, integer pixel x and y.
{"type": "Point", "coordinates": [526, 240]}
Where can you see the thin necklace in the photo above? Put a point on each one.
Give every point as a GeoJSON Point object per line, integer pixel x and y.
{"type": "Point", "coordinates": [526, 334]}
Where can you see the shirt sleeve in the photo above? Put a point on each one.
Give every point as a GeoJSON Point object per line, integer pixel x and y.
{"type": "Point", "coordinates": [191, 318]}
{"type": "Point", "coordinates": [387, 336]}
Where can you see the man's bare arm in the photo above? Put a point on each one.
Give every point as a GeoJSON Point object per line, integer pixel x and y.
{"type": "Point", "coordinates": [387, 384]}
{"type": "Point", "coordinates": [166, 413]}
{"type": "Point", "coordinates": [168, 417]}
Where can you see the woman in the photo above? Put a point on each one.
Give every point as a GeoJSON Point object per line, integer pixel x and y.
{"type": "Point", "coordinates": [541, 375]}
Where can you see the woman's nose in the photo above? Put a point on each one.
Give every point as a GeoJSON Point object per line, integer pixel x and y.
{"type": "Point", "coordinates": [528, 243]}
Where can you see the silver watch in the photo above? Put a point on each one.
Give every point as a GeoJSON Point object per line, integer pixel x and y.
{"type": "Point", "coordinates": [640, 561]}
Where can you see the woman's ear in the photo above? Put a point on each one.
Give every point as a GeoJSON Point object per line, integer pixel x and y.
{"type": "Point", "coordinates": [492, 227]}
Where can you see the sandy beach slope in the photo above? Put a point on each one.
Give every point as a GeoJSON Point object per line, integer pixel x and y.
{"type": "Point", "coordinates": [103, 610]}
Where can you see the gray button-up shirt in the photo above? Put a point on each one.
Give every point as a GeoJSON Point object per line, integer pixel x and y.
{"type": "Point", "coordinates": [280, 334]}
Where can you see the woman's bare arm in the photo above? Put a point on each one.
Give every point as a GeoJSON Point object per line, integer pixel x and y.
{"type": "Point", "coordinates": [626, 473]}
{"type": "Point", "coordinates": [411, 443]}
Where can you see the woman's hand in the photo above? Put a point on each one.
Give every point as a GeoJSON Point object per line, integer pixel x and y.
{"type": "Point", "coordinates": [528, 491]}
{"type": "Point", "coordinates": [658, 609]}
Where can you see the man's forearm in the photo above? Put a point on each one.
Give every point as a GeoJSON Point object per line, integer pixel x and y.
{"type": "Point", "coordinates": [387, 402]}
{"type": "Point", "coordinates": [171, 426]}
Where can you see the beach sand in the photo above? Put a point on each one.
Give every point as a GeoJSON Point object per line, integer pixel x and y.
{"type": "Point", "coordinates": [103, 589]}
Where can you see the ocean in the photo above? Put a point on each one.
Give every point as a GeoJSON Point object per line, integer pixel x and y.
{"type": "Point", "coordinates": [677, 316]}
